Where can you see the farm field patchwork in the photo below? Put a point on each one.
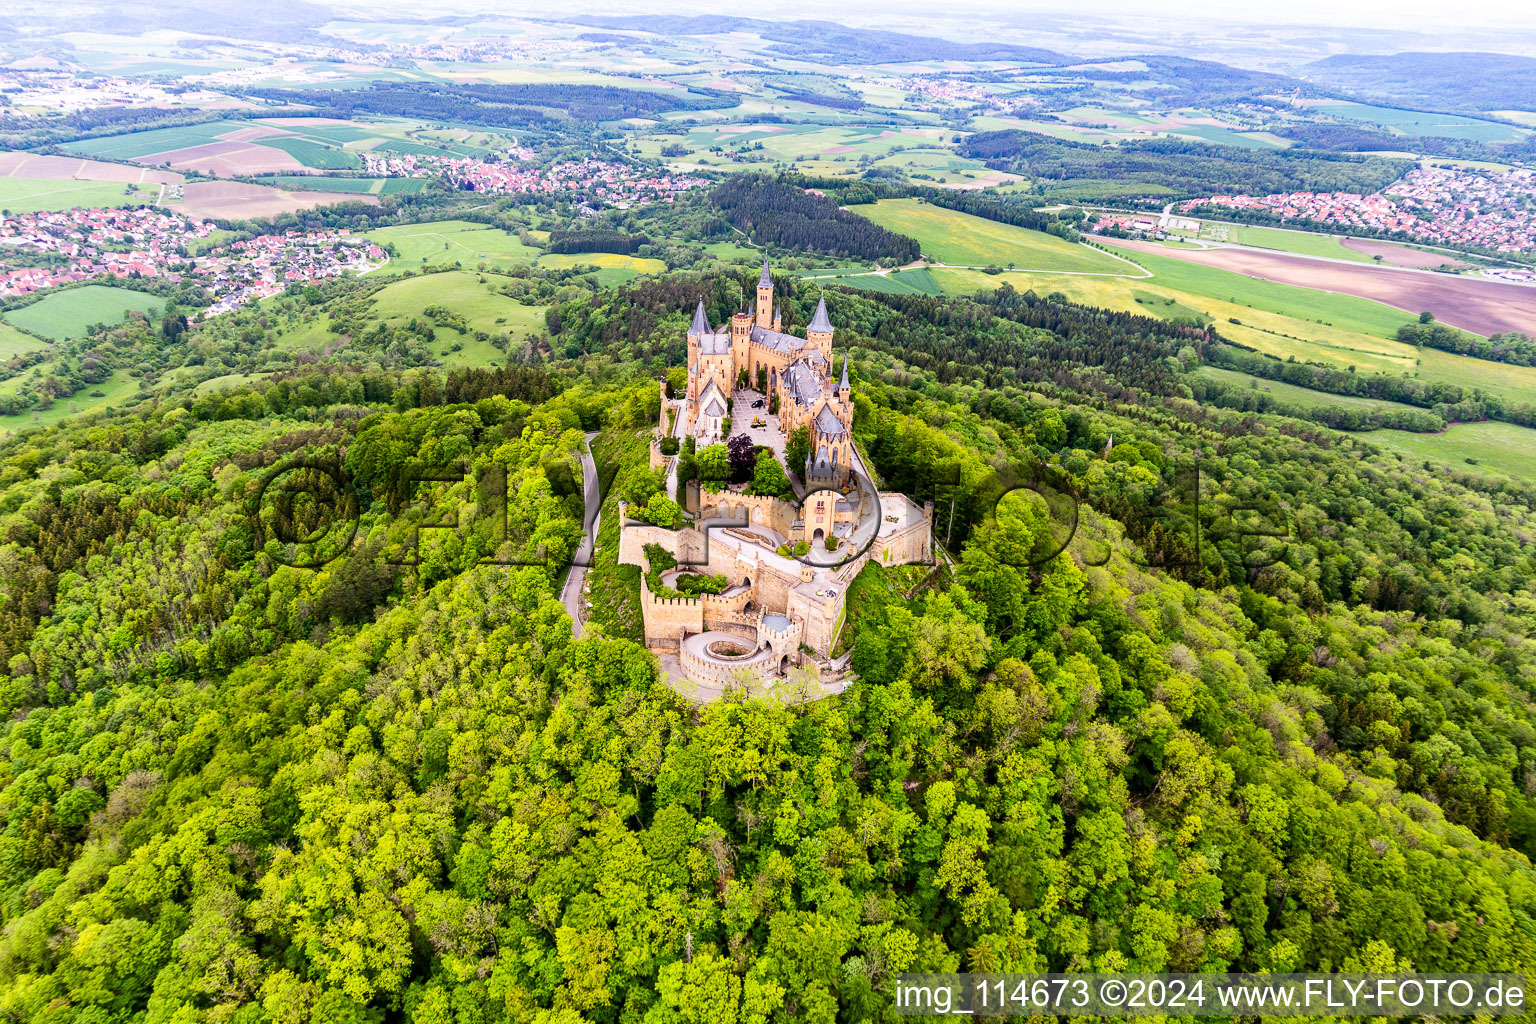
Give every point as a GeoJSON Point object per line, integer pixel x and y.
{"type": "Point", "coordinates": [1480, 306]}
{"type": "Point", "coordinates": [270, 146]}
{"type": "Point", "coordinates": [239, 200]}
{"type": "Point", "coordinates": [949, 236]}
{"type": "Point", "coordinates": [68, 168]}
{"type": "Point", "coordinates": [68, 313]}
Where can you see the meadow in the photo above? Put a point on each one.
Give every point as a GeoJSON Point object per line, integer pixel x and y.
{"type": "Point", "coordinates": [612, 268]}
{"type": "Point", "coordinates": [916, 281]}
{"type": "Point", "coordinates": [960, 239]}
{"type": "Point", "coordinates": [68, 313]}
{"type": "Point", "coordinates": [462, 291]}
{"type": "Point", "coordinates": [29, 195]}
{"type": "Point", "coordinates": [1496, 447]}
{"type": "Point", "coordinates": [116, 390]}
{"type": "Point", "coordinates": [447, 241]}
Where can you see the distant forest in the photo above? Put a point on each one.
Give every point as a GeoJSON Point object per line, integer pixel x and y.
{"type": "Point", "coordinates": [499, 106]}
{"type": "Point", "coordinates": [1164, 169]}
{"type": "Point", "coordinates": [773, 213]}
{"type": "Point", "coordinates": [826, 40]}
{"type": "Point", "coordinates": [1443, 81]}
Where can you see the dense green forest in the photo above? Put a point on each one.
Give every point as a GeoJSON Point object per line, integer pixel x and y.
{"type": "Point", "coordinates": [1268, 709]}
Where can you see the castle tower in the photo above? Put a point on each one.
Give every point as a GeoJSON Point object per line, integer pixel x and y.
{"type": "Point", "coordinates": [765, 315]}
{"type": "Point", "coordinates": [843, 390]}
{"type": "Point", "coordinates": [699, 328]}
{"type": "Point", "coordinates": [741, 341]}
{"type": "Point", "coordinates": [819, 331]}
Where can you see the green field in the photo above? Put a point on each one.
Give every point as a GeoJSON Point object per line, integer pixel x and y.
{"type": "Point", "coordinates": [29, 195]}
{"type": "Point", "coordinates": [315, 154]}
{"type": "Point", "coordinates": [1224, 136]}
{"type": "Point", "coordinates": [1418, 123]}
{"type": "Point", "coordinates": [962, 240]}
{"type": "Point", "coordinates": [1302, 242]}
{"type": "Point", "coordinates": [1497, 447]}
{"type": "Point", "coordinates": [448, 241]}
{"type": "Point", "coordinates": [15, 343]}
{"type": "Point", "coordinates": [68, 313]}
{"type": "Point", "coordinates": [160, 140]}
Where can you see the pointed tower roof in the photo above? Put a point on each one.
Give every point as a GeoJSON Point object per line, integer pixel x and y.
{"type": "Point", "coordinates": [842, 383]}
{"type": "Point", "coordinates": [700, 321]}
{"type": "Point", "coordinates": [765, 279]}
{"type": "Point", "coordinates": [819, 323]}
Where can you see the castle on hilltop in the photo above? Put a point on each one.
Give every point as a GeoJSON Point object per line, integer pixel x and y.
{"type": "Point", "coordinates": [795, 371]}
{"type": "Point", "coordinates": [786, 564]}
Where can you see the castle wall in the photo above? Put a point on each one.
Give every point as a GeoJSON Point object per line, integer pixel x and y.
{"type": "Point", "coordinates": [774, 513]}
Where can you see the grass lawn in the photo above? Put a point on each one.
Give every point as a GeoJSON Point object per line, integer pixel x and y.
{"type": "Point", "coordinates": [447, 241]}
{"type": "Point", "coordinates": [68, 313]}
{"type": "Point", "coordinates": [961, 239]}
{"type": "Point", "coordinates": [1497, 447]}
{"type": "Point", "coordinates": [29, 195]}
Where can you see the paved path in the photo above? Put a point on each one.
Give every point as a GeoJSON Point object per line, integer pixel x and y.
{"type": "Point", "coordinates": [571, 596]}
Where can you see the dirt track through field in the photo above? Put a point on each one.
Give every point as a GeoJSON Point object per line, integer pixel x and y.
{"type": "Point", "coordinates": [1480, 306]}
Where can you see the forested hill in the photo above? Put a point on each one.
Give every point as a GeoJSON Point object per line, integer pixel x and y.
{"type": "Point", "coordinates": [1174, 168]}
{"type": "Point", "coordinates": [394, 788]}
{"type": "Point", "coordinates": [775, 213]}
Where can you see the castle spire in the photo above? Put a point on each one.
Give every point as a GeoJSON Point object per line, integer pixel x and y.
{"type": "Point", "coordinates": [820, 323]}
{"type": "Point", "coordinates": [842, 384]}
{"type": "Point", "coordinates": [765, 279]}
{"type": "Point", "coordinates": [700, 321]}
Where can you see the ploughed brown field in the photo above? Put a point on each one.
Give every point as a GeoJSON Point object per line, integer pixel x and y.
{"type": "Point", "coordinates": [227, 158]}
{"type": "Point", "coordinates": [1401, 255]}
{"type": "Point", "coordinates": [1480, 306]}
{"type": "Point", "coordinates": [64, 168]}
{"type": "Point", "coordinates": [235, 200]}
